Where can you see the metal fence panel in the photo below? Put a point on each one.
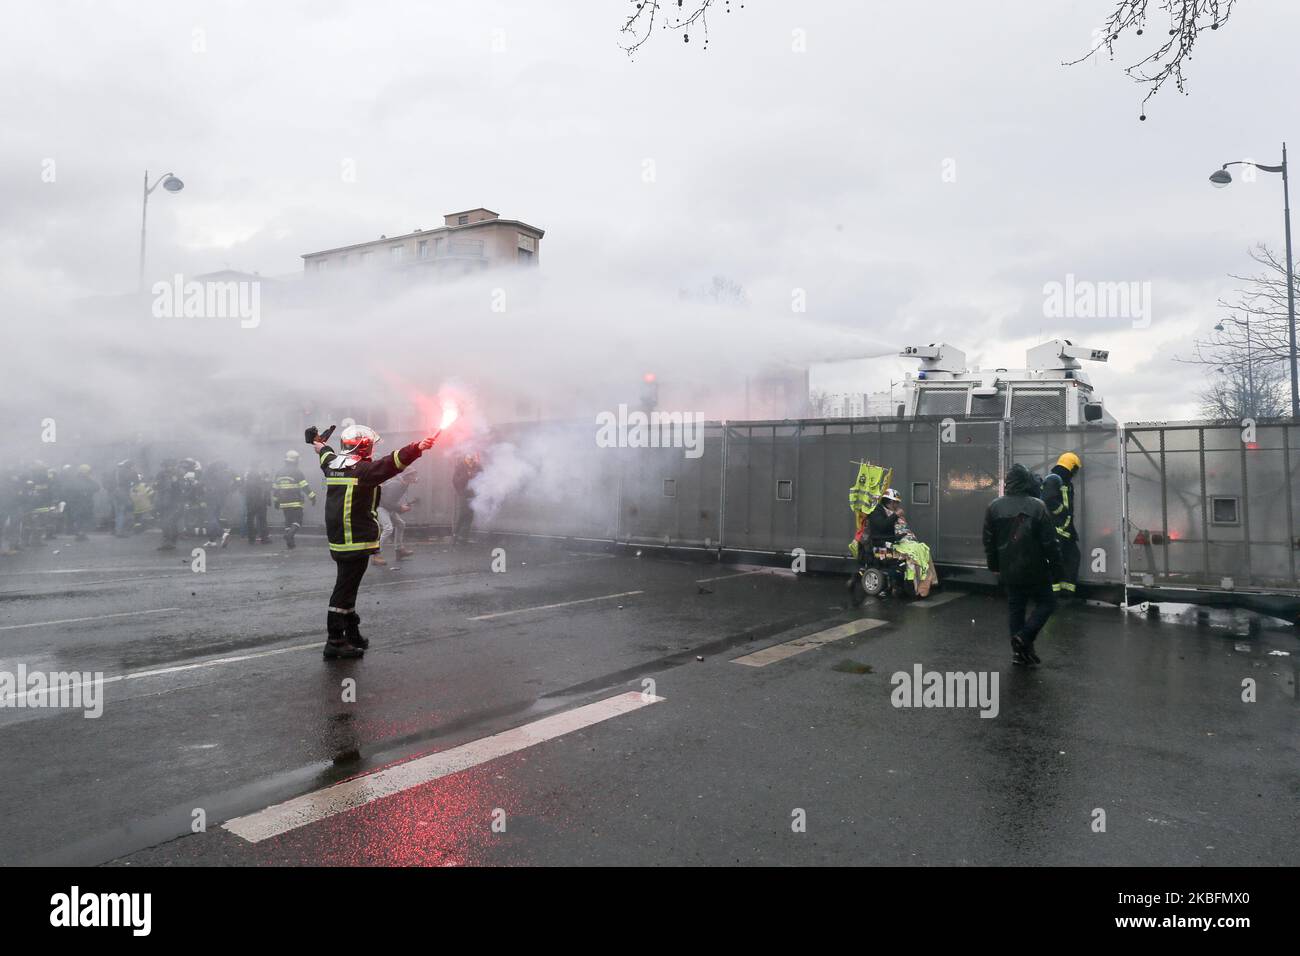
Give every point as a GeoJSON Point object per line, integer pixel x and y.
{"type": "Point", "coordinates": [668, 497]}
{"type": "Point", "coordinates": [1098, 488]}
{"type": "Point", "coordinates": [787, 484]}
{"type": "Point", "coordinates": [1211, 504]}
{"type": "Point", "coordinates": [551, 478]}
{"type": "Point", "coordinates": [970, 476]}
{"type": "Point", "coordinates": [755, 455]}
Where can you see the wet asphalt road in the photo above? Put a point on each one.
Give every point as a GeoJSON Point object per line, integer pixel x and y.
{"type": "Point", "coordinates": [222, 708]}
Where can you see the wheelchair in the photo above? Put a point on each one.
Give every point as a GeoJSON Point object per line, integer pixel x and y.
{"type": "Point", "coordinates": [884, 572]}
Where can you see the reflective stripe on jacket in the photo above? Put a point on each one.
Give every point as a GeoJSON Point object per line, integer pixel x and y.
{"type": "Point", "coordinates": [290, 488]}
{"type": "Point", "coordinates": [352, 496]}
{"type": "Point", "coordinates": [1058, 495]}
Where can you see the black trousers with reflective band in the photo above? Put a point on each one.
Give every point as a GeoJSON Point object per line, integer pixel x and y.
{"type": "Point", "coordinates": [1018, 601]}
{"type": "Point", "coordinates": [1070, 559]}
{"type": "Point", "coordinates": [351, 569]}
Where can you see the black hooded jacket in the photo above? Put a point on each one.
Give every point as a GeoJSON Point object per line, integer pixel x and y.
{"type": "Point", "coordinates": [1019, 538]}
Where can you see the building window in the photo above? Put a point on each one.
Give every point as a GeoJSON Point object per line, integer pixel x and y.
{"type": "Point", "coordinates": [343, 261]}
{"type": "Point", "coordinates": [467, 247]}
{"type": "Point", "coordinates": [365, 258]}
{"type": "Point", "coordinates": [920, 492]}
{"type": "Point", "coordinates": [422, 248]}
{"type": "Point", "coordinates": [670, 487]}
{"type": "Point", "coordinates": [784, 490]}
{"type": "Point", "coordinates": [438, 246]}
{"type": "Point", "coordinates": [318, 265]}
{"type": "Point", "coordinates": [525, 255]}
{"type": "Point", "coordinates": [395, 253]}
{"type": "Point", "coordinates": [462, 220]}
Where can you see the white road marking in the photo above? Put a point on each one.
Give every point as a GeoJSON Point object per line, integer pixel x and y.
{"type": "Point", "coordinates": [222, 660]}
{"type": "Point", "coordinates": [779, 652]}
{"type": "Point", "coordinates": [179, 563]}
{"type": "Point", "coordinates": [549, 607]}
{"type": "Point", "coordinates": [936, 601]}
{"type": "Point", "coordinates": [79, 620]}
{"type": "Point", "coordinates": [108, 570]}
{"type": "Point", "coordinates": [158, 672]}
{"type": "Point", "coordinates": [9, 701]}
{"type": "Point", "coordinates": [728, 577]}
{"type": "Point", "coordinates": [367, 788]}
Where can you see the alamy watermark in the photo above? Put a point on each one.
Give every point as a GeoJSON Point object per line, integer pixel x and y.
{"type": "Point", "coordinates": [638, 429]}
{"type": "Point", "coordinates": [69, 690]}
{"type": "Point", "coordinates": [178, 299]}
{"type": "Point", "coordinates": [1084, 299]}
{"type": "Point", "coordinates": [923, 688]}
{"type": "Point", "coordinates": [132, 911]}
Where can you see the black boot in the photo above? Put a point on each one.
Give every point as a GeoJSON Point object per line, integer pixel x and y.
{"type": "Point", "coordinates": [1020, 651]}
{"type": "Point", "coordinates": [352, 629]}
{"type": "Point", "coordinates": [1029, 653]}
{"type": "Point", "coordinates": [337, 644]}
{"type": "Point", "coordinates": [288, 535]}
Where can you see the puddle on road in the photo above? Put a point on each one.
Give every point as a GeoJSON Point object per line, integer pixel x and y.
{"type": "Point", "coordinates": [1232, 621]}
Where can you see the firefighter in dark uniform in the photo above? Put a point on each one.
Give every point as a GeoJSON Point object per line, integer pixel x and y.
{"type": "Point", "coordinates": [169, 499]}
{"type": "Point", "coordinates": [1058, 495]}
{"type": "Point", "coordinates": [44, 505]}
{"type": "Point", "coordinates": [256, 486]}
{"type": "Point", "coordinates": [81, 501]}
{"type": "Point", "coordinates": [352, 480]}
{"type": "Point", "coordinates": [290, 489]}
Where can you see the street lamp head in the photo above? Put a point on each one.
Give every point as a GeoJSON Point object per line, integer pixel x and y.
{"type": "Point", "coordinates": [1220, 178]}
{"type": "Point", "coordinates": [1218, 327]}
{"type": "Point", "coordinates": [172, 184]}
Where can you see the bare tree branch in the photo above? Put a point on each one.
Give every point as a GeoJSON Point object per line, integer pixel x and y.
{"type": "Point", "coordinates": [1236, 393]}
{"type": "Point", "coordinates": [1186, 21]}
{"type": "Point", "coordinates": [673, 15]}
{"type": "Point", "coordinates": [1249, 351]}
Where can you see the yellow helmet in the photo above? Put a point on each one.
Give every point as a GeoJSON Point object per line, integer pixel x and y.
{"type": "Point", "coordinates": [1069, 460]}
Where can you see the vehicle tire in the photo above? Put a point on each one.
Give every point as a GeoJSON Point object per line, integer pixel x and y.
{"type": "Point", "coordinates": [873, 581]}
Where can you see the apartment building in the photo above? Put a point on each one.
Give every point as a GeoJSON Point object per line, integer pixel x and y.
{"type": "Point", "coordinates": [467, 241]}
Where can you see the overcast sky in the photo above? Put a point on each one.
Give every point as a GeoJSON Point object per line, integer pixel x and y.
{"type": "Point", "coordinates": [820, 170]}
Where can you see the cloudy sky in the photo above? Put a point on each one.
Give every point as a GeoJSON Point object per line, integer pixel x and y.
{"type": "Point", "coordinates": [919, 171]}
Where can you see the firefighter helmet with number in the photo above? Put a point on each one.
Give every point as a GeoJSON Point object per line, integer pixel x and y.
{"type": "Point", "coordinates": [359, 440]}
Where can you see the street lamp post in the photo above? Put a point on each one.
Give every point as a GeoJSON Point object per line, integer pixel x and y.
{"type": "Point", "coordinates": [1221, 177]}
{"type": "Point", "coordinates": [1253, 403]}
{"type": "Point", "coordinates": [168, 182]}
